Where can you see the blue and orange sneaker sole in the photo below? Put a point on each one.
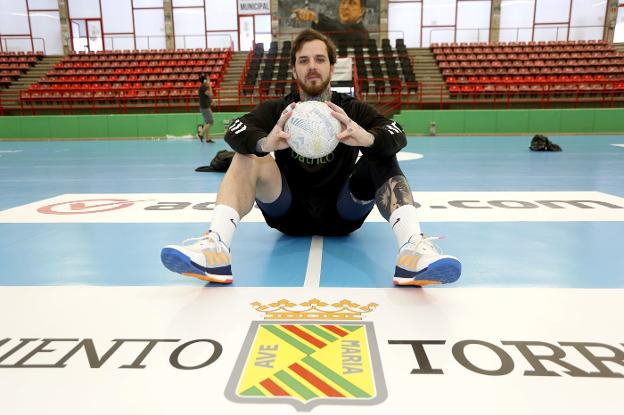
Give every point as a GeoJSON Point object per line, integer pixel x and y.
{"type": "Point", "coordinates": [443, 271]}
{"type": "Point", "coordinates": [180, 263]}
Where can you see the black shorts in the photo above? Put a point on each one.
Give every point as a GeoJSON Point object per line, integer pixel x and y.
{"type": "Point", "coordinates": [330, 211]}
{"type": "Point", "coordinates": [313, 216]}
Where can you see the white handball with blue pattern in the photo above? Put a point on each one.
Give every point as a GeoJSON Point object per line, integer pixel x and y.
{"type": "Point", "coordinates": [312, 130]}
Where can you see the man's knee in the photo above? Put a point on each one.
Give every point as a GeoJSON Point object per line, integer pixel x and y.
{"type": "Point", "coordinates": [261, 167]}
{"type": "Point", "coordinates": [243, 161]}
{"type": "Point", "coordinates": [370, 175]}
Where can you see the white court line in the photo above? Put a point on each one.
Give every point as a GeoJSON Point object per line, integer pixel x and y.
{"type": "Point", "coordinates": [313, 272]}
{"type": "Point", "coordinates": [618, 145]}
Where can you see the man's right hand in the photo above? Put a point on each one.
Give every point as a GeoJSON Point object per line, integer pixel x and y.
{"type": "Point", "coordinates": [278, 138]}
{"type": "Point", "coordinates": [305, 15]}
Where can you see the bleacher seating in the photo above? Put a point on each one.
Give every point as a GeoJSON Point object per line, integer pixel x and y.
{"type": "Point", "coordinates": [131, 77]}
{"type": "Point", "coordinates": [282, 70]}
{"type": "Point", "coordinates": [388, 72]}
{"type": "Point", "coordinates": [530, 68]}
{"type": "Point", "coordinates": [271, 83]}
{"type": "Point", "coordinates": [14, 64]}
{"type": "Point", "coordinates": [269, 66]}
{"type": "Point", "coordinates": [406, 66]}
{"type": "Point", "coordinates": [251, 73]}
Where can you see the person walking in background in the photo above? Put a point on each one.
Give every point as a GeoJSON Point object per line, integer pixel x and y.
{"type": "Point", "coordinates": [205, 100]}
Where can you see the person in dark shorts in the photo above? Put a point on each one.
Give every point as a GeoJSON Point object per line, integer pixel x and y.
{"type": "Point", "coordinates": [205, 100]}
{"type": "Point", "coordinates": [328, 196]}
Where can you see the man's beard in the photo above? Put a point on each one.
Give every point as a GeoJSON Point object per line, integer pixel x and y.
{"type": "Point", "coordinates": [314, 90]}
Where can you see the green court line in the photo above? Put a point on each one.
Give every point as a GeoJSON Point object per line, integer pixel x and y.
{"type": "Point", "coordinates": [336, 378]}
{"type": "Point", "coordinates": [253, 391]}
{"type": "Point", "coordinates": [320, 332]}
{"type": "Point", "coordinates": [295, 385]}
{"type": "Point", "coordinates": [289, 339]}
{"type": "Point", "coordinates": [351, 328]}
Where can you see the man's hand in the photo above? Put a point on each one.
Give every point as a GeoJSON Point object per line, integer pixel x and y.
{"type": "Point", "coordinates": [305, 15]}
{"type": "Point", "coordinates": [278, 138]}
{"type": "Point", "coordinates": [352, 134]}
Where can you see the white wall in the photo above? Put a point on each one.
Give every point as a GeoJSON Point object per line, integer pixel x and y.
{"type": "Point", "coordinates": [150, 28]}
{"type": "Point", "coordinates": [404, 22]}
{"type": "Point", "coordinates": [619, 25]}
{"type": "Point", "coordinates": [442, 21]}
{"type": "Point", "coordinates": [16, 24]}
{"type": "Point", "coordinates": [554, 20]}
{"type": "Point", "coordinates": [124, 27]}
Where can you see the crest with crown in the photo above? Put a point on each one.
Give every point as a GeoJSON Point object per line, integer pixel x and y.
{"type": "Point", "coordinates": [313, 309]}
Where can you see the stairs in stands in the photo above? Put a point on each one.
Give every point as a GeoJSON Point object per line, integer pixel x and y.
{"type": "Point", "coordinates": [229, 85]}
{"type": "Point", "coordinates": [428, 74]}
{"type": "Point", "coordinates": [10, 96]}
{"type": "Point", "coordinates": [619, 47]}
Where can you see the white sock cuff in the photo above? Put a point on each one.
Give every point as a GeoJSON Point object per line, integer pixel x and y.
{"type": "Point", "coordinates": [402, 211]}
{"type": "Point", "coordinates": [228, 211]}
{"type": "Point", "coordinates": [404, 223]}
{"type": "Point", "coordinates": [225, 219]}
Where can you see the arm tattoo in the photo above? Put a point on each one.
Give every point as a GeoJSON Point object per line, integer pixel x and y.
{"type": "Point", "coordinates": [392, 195]}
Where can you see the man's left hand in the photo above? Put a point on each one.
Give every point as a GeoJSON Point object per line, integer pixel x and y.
{"type": "Point", "coordinates": [352, 134]}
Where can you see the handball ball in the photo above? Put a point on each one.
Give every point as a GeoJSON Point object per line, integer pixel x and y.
{"type": "Point", "coordinates": [312, 130]}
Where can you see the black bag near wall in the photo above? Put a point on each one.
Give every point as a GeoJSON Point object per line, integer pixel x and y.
{"type": "Point", "coordinates": [220, 162]}
{"type": "Point", "coordinates": [542, 143]}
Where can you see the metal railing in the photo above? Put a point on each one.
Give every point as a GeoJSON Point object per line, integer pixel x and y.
{"type": "Point", "coordinates": [124, 42]}
{"type": "Point", "coordinates": [388, 101]}
{"type": "Point", "coordinates": [539, 32]}
{"type": "Point", "coordinates": [9, 43]}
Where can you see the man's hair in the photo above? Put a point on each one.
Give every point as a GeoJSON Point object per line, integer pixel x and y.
{"type": "Point", "coordinates": [363, 4]}
{"type": "Point", "coordinates": [202, 78]}
{"type": "Point", "coordinates": [309, 35]}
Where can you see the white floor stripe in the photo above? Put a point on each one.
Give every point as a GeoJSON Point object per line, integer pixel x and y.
{"type": "Point", "coordinates": [618, 145]}
{"type": "Point", "coordinates": [313, 272]}
{"type": "Point", "coordinates": [497, 206]}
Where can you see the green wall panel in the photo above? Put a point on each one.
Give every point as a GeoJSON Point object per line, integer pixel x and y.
{"type": "Point", "coordinates": [546, 121]}
{"type": "Point", "coordinates": [573, 121]}
{"type": "Point", "coordinates": [480, 122]}
{"type": "Point", "coordinates": [35, 127]}
{"type": "Point", "coordinates": [64, 126]}
{"type": "Point", "coordinates": [182, 124]}
{"type": "Point", "coordinates": [10, 127]}
{"type": "Point", "coordinates": [450, 122]}
{"type": "Point", "coordinates": [150, 126]}
{"type": "Point", "coordinates": [94, 126]}
{"type": "Point", "coordinates": [609, 120]}
{"type": "Point", "coordinates": [417, 122]}
{"type": "Point", "coordinates": [122, 126]}
{"type": "Point", "coordinates": [512, 121]}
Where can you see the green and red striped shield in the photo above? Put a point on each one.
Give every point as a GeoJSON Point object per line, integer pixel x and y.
{"type": "Point", "coordinates": [307, 364]}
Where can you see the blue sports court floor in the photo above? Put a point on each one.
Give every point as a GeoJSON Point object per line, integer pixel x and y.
{"type": "Point", "coordinates": [579, 247]}
{"type": "Point", "coordinates": [91, 322]}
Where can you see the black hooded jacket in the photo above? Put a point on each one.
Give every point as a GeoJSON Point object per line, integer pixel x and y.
{"type": "Point", "coordinates": [327, 174]}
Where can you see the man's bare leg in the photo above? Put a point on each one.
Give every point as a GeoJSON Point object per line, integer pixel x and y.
{"type": "Point", "coordinates": [248, 177]}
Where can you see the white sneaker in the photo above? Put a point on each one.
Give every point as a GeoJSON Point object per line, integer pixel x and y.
{"type": "Point", "coordinates": [420, 262]}
{"type": "Point", "coordinates": [208, 259]}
